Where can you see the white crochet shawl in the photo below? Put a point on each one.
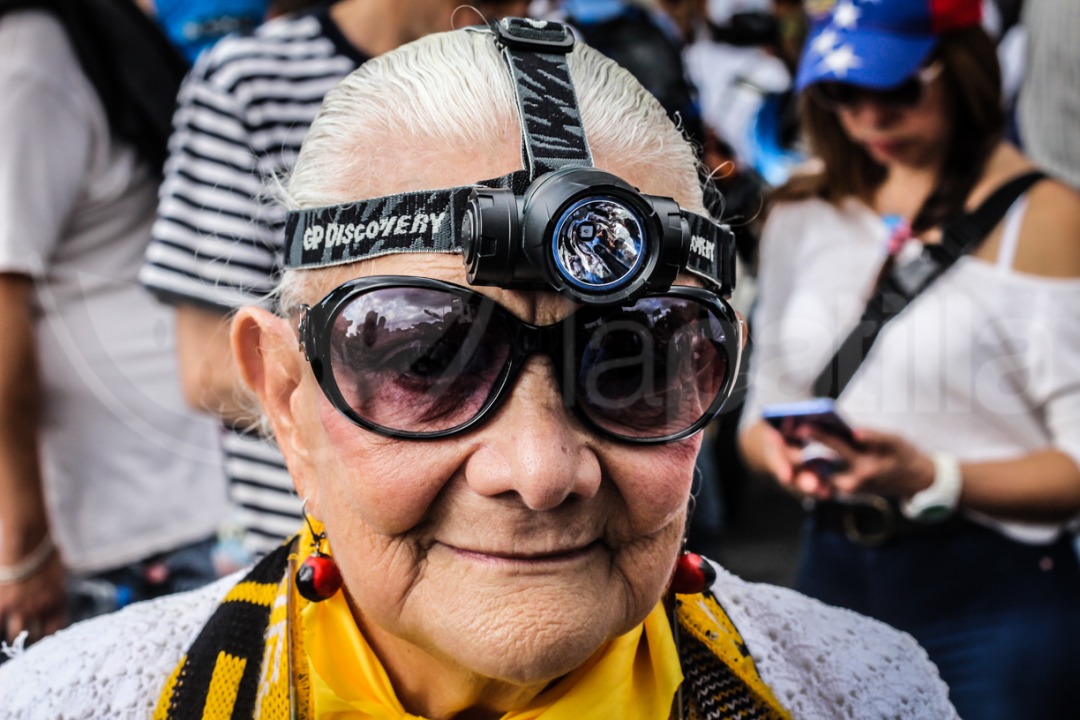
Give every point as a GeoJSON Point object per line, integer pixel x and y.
{"type": "Point", "coordinates": [821, 662]}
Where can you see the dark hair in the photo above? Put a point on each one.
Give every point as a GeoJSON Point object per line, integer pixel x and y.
{"type": "Point", "coordinates": [973, 90]}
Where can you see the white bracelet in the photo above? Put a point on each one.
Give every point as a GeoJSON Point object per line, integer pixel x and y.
{"type": "Point", "coordinates": [939, 501]}
{"type": "Point", "coordinates": [11, 574]}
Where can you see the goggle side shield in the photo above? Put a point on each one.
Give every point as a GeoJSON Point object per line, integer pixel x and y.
{"type": "Point", "coordinates": [417, 358]}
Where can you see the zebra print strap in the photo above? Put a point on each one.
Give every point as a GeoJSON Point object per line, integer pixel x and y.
{"type": "Point", "coordinates": [551, 130]}
{"type": "Point", "coordinates": [427, 221]}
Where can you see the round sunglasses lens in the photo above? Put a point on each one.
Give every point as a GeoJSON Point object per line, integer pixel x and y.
{"type": "Point", "coordinates": [417, 360]}
{"type": "Point", "coordinates": [652, 370]}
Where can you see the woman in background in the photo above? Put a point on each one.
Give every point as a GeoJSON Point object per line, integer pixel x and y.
{"type": "Point", "coordinates": [967, 407]}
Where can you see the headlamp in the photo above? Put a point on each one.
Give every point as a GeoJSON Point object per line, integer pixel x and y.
{"type": "Point", "coordinates": [580, 231]}
{"type": "Point", "coordinates": [560, 224]}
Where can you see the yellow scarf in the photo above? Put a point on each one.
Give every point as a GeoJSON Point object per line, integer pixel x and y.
{"type": "Point", "coordinates": [348, 682]}
{"type": "Point", "coordinates": [266, 653]}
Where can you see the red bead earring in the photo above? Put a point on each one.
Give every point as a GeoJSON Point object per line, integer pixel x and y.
{"type": "Point", "coordinates": [693, 574]}
{"type": "Point", "coordinates": [318, 577]}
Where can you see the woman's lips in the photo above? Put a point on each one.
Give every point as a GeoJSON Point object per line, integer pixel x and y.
{"type": "Point", "coordinates": [527, 557]}
{"type": "Point", "coordinates": [889, 148]}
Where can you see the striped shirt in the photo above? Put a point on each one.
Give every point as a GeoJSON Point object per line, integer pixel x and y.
{"type": "Point", "coordinates": [242, 114]}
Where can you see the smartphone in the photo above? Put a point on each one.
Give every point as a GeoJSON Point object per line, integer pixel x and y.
{"type": "Point", "coordinates": [821, 413]}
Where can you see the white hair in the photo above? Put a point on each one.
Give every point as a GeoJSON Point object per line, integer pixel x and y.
{"type": "Point", "coordinates": [453, 89]}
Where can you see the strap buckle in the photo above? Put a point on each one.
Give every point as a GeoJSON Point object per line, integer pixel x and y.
{"type": "Point", "coordinates": [539, 36]}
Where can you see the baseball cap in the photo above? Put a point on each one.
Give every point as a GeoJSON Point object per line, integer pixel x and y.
{"type": "Point", "coordinates": [877, 43]}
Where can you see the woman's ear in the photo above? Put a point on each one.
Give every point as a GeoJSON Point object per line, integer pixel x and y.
{"type": "Point", "coordinates": [265, 349]}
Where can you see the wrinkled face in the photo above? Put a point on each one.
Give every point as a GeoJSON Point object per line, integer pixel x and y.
{"type": "Point", "coordinates": [515, 550]}
{"type": "Point", "coordinates": [913, 136]}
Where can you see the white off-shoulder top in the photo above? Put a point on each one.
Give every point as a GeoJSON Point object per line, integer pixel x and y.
{"type": "Point", "coordinates": [985, 364]}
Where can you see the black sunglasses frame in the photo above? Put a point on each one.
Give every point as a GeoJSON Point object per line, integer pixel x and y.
{"type": "Point", "coordinates": [526, 340]}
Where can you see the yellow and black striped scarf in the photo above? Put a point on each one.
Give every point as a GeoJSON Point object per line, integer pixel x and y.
{"type": "Point", "coordinates": [242, 666]}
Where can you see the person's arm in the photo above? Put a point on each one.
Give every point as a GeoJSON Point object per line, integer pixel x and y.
{"type": "Point", "coordinates": [207, 368]}
{"type": "Point", "coordinates": [1049, 490]}
{"type": "Point", "coordinates": [35, 602]}
{"type": "Point", "coordinates": [47, 145]}
{"type": "Point", "coordinates": [1042, 486]}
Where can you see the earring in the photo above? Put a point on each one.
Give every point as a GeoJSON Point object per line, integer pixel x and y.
{"type": "Point", "coordinates": [693, 574]}
{"type": "Point", "coordinates": [318, 577]}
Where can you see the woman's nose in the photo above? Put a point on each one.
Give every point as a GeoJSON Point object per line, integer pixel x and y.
{"type": "Point", "coordinates": [534, 447]}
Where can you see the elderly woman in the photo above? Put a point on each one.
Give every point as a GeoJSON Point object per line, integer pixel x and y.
{"type": "Point", "coordinates": [497, 475]}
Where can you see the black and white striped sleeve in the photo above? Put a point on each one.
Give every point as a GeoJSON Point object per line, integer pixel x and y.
{"type": "Point", "coordinates": [217, 236]}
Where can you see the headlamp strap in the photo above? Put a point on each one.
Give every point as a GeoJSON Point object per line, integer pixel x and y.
{"type": "Point", "coordinates": [551, 132]}
{"type": "Point", "coordinates": [427, 221]}
{"type": "Point", "coordinates": [430, 221]}
{"type": "Point", "coordinates": [712, 252]}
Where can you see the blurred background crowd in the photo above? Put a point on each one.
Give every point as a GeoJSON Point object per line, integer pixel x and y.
{"type": "Point", "coordinates": [140, 143]}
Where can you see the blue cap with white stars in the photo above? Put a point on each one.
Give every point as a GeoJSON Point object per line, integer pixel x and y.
{"type": "Point", "coordinates": [877, 43]}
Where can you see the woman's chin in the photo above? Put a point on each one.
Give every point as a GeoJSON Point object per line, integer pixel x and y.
{"type": "Point", "coordinates": [532, 628]}
{"type": "Point", "coordinates": [531, 642]}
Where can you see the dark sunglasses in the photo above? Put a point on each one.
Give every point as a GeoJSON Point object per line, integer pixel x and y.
{"type": "Point", "coordinates": [416, 358]}
{"type": "Point", "coordinates": [905, 96]}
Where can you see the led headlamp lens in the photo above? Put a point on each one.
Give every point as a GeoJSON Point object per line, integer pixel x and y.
{"type": "Point", "coordinates": [598, 243]}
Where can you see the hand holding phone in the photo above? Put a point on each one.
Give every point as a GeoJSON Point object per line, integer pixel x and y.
{"type": "Point", "coordinates": [801, 424]}
{"type": "Point", "coordinates": [791, 419]}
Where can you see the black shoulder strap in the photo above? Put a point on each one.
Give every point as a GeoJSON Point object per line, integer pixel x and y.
{"type": "Point", "coordinates": [900, 286]}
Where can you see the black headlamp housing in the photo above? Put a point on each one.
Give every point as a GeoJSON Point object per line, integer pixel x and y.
{"type": "Point", "coordinates": [580, 231]}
